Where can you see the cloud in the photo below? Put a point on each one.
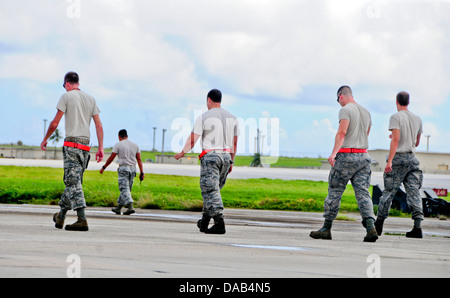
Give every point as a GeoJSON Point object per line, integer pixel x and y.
{"type": "Point", "coordinates": [257, 48]}
{"type": "Point", "coordinates": [36, 67]}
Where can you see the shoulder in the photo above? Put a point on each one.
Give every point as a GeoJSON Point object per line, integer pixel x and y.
{"type": "Point", "coordinates": [396, 115]}
{"type": "Point", "coordinates": [414, 115]}
{"type": "Point", "coordinates": [86, 95]}
{"type": "Point", "coordinates": [226, 114]}
{"type": "Point", "coordinates": [132, 143]}
{"type": "Point", "coordinates": [346, 110]}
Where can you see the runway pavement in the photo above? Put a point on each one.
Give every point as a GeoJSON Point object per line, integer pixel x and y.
{"type": "Point", "coordinates": [258, 244]}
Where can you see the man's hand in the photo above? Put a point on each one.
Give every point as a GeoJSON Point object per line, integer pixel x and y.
{"type": "Point", "coordinates": [332, 159]}
{"type": "Point", "coordinates": [388, 167]}
{"type": "Point", "coordinates": [101, 171]}
{"type": "Point", "coordinates": [99, 156]}
{"type": "Point", "coordinates": [179, 155]}
{"type": "Point", "coordinates": [44, 145]}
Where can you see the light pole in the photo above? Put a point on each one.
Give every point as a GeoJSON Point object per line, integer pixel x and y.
{"type": "Point", "coordinates": [45, 126]}
{"type": "Point", "coordinates": [162, 150]}
{"type": "Point", "coordinates": [154, 135]}
{"type": "Point", "coordinates": [428, 141]}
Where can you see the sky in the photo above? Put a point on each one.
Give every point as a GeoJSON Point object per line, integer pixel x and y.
{"type": "Point", "coordinates": [278, 64]}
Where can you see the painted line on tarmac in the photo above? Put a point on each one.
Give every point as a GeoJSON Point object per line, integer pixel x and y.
{"type": "Point", "coordinates": [286, 248]}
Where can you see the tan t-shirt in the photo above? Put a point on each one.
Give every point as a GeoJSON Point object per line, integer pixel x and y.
{"type": "Point", "coordinates": [78, 108]}
{"type": "Point", "coordinates": [360, 122]}
{"type": "Point", "coordinates": [410, 126]}
{"type": "Point", "coordinates": [217, 128]}
{"type": "Point", "coordinates": [126, 151]}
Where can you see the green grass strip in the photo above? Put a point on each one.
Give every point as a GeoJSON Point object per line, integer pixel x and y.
{"type": "Point", "coordinates": [33, 185]}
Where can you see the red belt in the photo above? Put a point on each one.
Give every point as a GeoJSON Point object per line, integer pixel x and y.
{"type": "Point", "coordinates": [78, 146]}
{"type": "Point", "coordinates": [352, 150]}
{"type": "Point", "coordinates": [209, 150]}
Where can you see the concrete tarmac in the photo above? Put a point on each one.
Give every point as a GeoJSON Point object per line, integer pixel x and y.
{"type": "Point", "coordinates": [258, 244]}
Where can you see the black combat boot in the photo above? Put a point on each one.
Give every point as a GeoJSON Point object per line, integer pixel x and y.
{"type": "Point", "coordinates": [218, 227]}
{"type": "Point", "coordinates": [379, 226]}
{"type": "Point", "coordinates": [117, 209]}
{"type": "Point", "coordinates": [80, 225]}
{"type": "Point", "coordinates": [130, 209]}
{"type": "Point", "coordinates": [371, 235]}
{"type": "Point", "coordinates": [203, 223]}
{"type": "Point", "coordinates": [321, 234]}
{"type": "Point", "coordinates": [414, 233]}
{"type": "Point", "coordinates": [324, 232]}
{"type": "Point", "coordinates": [59, 223]}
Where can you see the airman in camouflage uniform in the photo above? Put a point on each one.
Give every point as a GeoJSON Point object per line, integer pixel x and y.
{"type": "Point", "coordinates": [128, 154]}
{"type": "Point", "coordinates": [219, 131]}
{"type": "Point", "coordinates": [78, 108]}
{"type": "Point", "coordinates": [402, 166]}
{"type": "Point", "coordinates": [350, 162]}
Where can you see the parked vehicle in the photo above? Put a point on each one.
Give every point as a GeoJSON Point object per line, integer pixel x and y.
{"type": "Point", "coordinates": [432, 204]}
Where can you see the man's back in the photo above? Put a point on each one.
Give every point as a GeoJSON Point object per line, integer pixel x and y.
{"type": "Point", "coordinates": [217, 128]}
{"type": "Point", "coordinates": [410, 125]}
{"type": "Point", "coordinates": [79, 108]}
{"type": "Point", "coordinates": [126, 152]}
{"type": "Point", "coordinates": [359, 123]}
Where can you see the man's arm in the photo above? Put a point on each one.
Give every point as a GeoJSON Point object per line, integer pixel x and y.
{"type": "Point", "coordinates": [418, 140]}
{"type": "Point", "coordinates": [51, 129]}
{"type": "Point", "coordinates": [339, 140]}
{"type": "Point", "coordinates": [141, 166]}
{"type": "Point", "coordinates": [99, 130]}
{"type": "Point", "coordinates": [233, 152]}
{"type": "Point", "coordinates": [108, 162]}
{"type": "Point", "coordinates": [190, 143]}
{"type": "Point", "coordinates": [395, 137]}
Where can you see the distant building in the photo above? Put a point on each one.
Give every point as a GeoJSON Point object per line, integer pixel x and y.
{"type": "Point", "coordinates": [430, 162]}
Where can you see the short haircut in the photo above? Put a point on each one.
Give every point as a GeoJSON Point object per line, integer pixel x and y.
{"type": "Point", "coordinates": [123, 133]}
{"type": "Point", "coordinates": [72, 77]}
{"type": "Point", "coordinates": [346, 90]}
{"type": "Point", "coordinates": [403, 98]}
{"type": "Point", "coordinates": [215, 95]}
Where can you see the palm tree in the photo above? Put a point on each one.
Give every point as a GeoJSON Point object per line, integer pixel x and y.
{"type": "Point", "coordinates": [55, 137]}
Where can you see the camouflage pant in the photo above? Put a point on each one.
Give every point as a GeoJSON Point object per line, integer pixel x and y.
{"type": "Point", "coordinates": [126, 177]}
{"type": "Point", "coordinates": [354, 167]}
{"type": "Point", "coordinates": [75, 162]}
{"type": "Point", "coordinates": [213, 175]}
{"type": "Point", "coordinates": [405, 169]}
